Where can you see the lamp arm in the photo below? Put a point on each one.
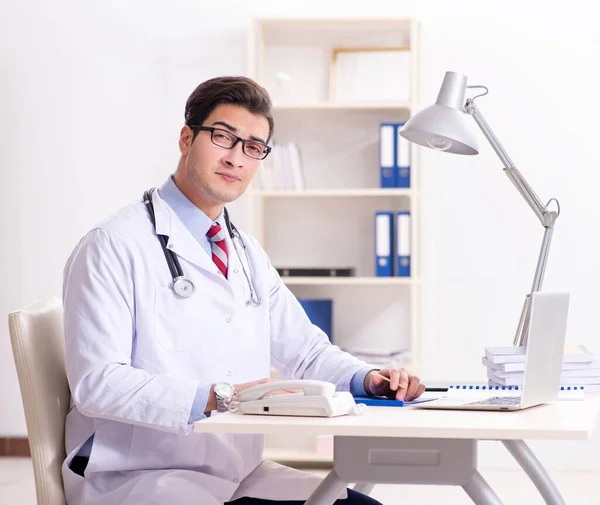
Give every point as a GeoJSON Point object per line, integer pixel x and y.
{"type": "Point", "coordinates": [547, 217]}
{"type": "Point", "coordinates": [513, 174]}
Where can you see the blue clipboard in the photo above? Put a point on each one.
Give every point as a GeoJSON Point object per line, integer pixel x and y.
{"type": "Point", "coordinates": [380, 401]}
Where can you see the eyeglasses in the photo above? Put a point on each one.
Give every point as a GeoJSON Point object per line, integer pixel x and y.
{"type": "Point", "coordinates": [223, 138]}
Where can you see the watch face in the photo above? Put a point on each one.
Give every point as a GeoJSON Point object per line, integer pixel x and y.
{"type": "Point", "coordinates": [224, 390]}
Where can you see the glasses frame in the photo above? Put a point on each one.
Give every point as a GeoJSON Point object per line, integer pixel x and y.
{"type": "Point", "coordinates": [212, 130]}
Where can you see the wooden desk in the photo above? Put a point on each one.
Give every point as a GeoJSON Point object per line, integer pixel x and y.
{"type": "Point", "coordinates": [412, 446]}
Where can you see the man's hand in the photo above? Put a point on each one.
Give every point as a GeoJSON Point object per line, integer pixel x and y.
{"type": "Point", "coordinates": [212, 399]}
{"type": "Point", "coordinates": [401, 385]}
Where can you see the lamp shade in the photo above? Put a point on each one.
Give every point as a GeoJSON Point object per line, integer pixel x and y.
{"type": "Point", "coordinates": [443, 126]}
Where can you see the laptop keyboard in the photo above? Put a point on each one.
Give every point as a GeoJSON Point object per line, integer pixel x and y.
{"type": "Point", "coordinates": [498, 400]}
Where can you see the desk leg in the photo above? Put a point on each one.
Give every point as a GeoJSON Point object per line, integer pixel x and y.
{"type": "Point", "coordinates": [328, 491]}
{"type": "Point", "coordinates": [480, 491]}
{"type": "Point", "coordinates": [537, 473]}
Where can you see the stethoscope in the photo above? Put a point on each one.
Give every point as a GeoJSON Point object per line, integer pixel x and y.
{"type": "Point", "coordinates": [183, 286]}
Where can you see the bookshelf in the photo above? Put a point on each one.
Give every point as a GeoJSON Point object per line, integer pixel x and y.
{"type": "Point", "coordinates": [330, 223]}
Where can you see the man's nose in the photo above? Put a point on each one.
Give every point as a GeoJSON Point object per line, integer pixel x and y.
{"type": "Point", "coordinates": [235, 156]}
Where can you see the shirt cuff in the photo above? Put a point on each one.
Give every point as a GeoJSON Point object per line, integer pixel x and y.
{"type": "Point", "coordinates": [357, 383]}
{"type": "Point", "coordinates": [200, 401]}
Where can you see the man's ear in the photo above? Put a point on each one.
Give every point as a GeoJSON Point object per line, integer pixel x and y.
{"type": "Point", "coordinates": [185, 140]}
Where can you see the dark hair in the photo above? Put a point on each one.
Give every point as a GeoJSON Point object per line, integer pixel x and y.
{"type": "Point", "coordinates": [236, 90]}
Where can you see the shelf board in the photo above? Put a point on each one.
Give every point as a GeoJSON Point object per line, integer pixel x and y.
{"type": "Point", "coordinates": [348, 281]}
{"type": "Point", "coordinates": [343, 106]}
{"type": "Point", "coordinates": [337, 193]}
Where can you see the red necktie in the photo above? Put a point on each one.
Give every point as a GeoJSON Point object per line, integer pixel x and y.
{"type": "Point", "coordinates": [216, 235]}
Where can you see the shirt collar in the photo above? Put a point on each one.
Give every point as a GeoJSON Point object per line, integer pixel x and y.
{"type": "Point", "coordinates": [196, 221]}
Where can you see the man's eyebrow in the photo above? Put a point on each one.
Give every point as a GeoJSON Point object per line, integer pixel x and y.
{"type": "Point", "coordinates": [234, 130]}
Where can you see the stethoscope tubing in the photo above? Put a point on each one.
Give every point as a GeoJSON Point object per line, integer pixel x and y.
{"type": "Point", "coordinates": [173, 260]}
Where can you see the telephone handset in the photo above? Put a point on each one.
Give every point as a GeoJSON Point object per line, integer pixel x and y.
{"type": "Point", "coordinates": [317, 398]}
{"type": "Point", "coordinates": [308, 387]}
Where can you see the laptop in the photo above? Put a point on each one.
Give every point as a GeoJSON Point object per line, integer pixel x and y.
{"type": "Point", "coordinates": [543, 361]}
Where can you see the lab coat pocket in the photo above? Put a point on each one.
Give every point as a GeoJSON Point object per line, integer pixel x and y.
{"type": "Point", "coordinates": [180, 324]}
{"type": "Point", "coordinates": [152, 449]}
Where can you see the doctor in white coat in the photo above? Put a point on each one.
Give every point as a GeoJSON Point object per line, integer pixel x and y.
{"type": "Point", "coordinates": [145, 359]}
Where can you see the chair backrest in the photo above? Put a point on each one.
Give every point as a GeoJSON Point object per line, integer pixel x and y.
{"type": "Point", "coordinates": [38, 343]}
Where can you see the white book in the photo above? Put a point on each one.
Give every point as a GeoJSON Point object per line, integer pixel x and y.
{"type": "Point", "coordinates": [267, 171]}
{"type": "Point", "coordinates": [279, 166]}
{"type": "Point", "coordinates": [573, 354]}
{"type": "Point", "coordinates": [519, 367]}
{"type": "Point", "coordinates": [298, 175]}
{"type": "Point", "coordinates": [592, 372]}
{"type": "Point", "coordinates": [288, 175]}
{"type": "Point", "coordinates": [565, 381]}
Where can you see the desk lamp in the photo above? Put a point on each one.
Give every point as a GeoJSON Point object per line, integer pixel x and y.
{"type": "Point", "coordinates": [443, 126]}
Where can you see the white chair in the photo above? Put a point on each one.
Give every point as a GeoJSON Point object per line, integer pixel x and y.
{"type": "Point", "coordinates": [38, 343]}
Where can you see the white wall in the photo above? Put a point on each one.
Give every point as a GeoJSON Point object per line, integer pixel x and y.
{"type": "Point", "coordinates": [91, 102]}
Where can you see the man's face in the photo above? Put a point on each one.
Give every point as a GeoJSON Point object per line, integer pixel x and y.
{"type": "Point", "coordinates": [216, 175]}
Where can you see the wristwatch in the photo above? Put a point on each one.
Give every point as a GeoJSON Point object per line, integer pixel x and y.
{"type": "Point", "coordinates": [224, 393]}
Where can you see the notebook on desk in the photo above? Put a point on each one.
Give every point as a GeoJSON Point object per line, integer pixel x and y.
{"type": "Point", "coordinates": [464, 390]}
{"type": "Point", "coordinates": [543, 360]}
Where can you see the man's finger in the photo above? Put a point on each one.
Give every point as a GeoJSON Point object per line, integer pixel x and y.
{"type": "Point", "coordinates": [241, 387]}
{"type": "Point", "coordinates": [283, 392]}
{"type": "Point", "coordinates": [394, 375]}
{"type": "Point", "coordinates": [401, 393]}
{"type": "Point", "coordinates": [413, 386]}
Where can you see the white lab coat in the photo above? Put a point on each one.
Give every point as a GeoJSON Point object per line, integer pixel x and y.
{"type": "Point", "coordinates": [136, 353]}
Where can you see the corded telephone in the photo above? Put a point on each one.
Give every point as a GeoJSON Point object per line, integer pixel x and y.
{"type": "Point", "coordinates": [317, 398]}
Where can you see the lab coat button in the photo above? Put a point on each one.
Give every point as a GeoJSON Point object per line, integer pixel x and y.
{"type": "Point", "coordinates": [236, 479]}
{"type": "Point", "coordinates": [229, 373]}
{"type": "Point", "coordinates": [228, 319]}
{"type": "Point", "coordinates": [236, 271]}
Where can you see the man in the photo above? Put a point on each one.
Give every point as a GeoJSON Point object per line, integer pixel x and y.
{"type": "Point", "coordinates": [168, 313]}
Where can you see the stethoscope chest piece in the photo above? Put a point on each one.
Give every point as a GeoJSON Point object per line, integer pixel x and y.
{"type": "Point", "coordinates": [183, 287]}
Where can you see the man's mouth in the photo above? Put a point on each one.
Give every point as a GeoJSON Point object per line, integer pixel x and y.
{"type": "Point", "coordinates": [228, 177]}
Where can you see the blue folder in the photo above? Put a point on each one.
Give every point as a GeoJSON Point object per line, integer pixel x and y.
{"type": "Point", "coordinates": [384, 234]}
{"type": "Point", "coordinates": [387, 155]}
{"type": "Point", "coordinates": [403, 243]}
{"type": "Point", "coordinates": [402, 163]}
{"type": "Point", "coordinates": [320, 313]}
{"type": "Point", "coordinates": [379, 401]}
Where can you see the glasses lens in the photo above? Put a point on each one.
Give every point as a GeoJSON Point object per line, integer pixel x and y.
{"type": "Point", "coordinates": [223, 138]}
{"type": "Point", "coordinates": [255, 150]}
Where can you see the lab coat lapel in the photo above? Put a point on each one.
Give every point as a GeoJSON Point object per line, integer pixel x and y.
{"type": "Point", "coordinates": [181, 241]}
{"type": "Point", "coordinates": [235, 272]}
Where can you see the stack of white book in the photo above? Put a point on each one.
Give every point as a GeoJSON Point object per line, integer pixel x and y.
{"type": "Point", "coordinates": [506, 365]}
